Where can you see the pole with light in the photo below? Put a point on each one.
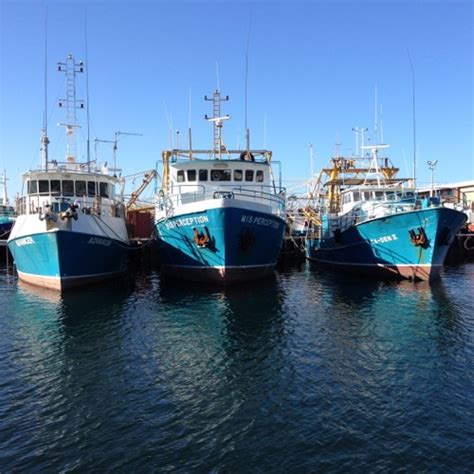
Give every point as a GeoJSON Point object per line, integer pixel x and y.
{"type": "Point", "coordinates": [432, 167]}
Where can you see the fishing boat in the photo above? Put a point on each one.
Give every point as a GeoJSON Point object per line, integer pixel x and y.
{"type": "Point", "coordinates": [369, 221]}
{"type": "Point", "coordinates": [220, 214]}
{"type": "Point", "coordinates": [70, 228]}
{"type": "Point", "coordinates": [7, 212]}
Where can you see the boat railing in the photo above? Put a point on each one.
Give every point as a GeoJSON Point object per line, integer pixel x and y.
{"type": "Point", "coordinates": [93, 205]}
{"type": "Point", "coordinates": [188, 194]}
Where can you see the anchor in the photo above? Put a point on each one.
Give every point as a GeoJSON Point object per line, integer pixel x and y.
{"type": "Point", "coordinates": [419, 239]}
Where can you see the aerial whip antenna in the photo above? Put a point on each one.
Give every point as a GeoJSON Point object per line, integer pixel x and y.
{"type": "Point", "coordinates": [44, 134]}
{"type": "Point", "coordinates": [414, 118]}
{"type": "Point", "coordinates": [87, 95]}
{"type": "Point", "coordinates": [375, 114]}
{"type": "Point", "coordinates": [189, 128]}
{"type": "Point", "coordinates": [246, 83]}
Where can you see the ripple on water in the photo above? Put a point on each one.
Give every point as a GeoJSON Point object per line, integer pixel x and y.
{"type": "Point", "coordinates": [306, 371]}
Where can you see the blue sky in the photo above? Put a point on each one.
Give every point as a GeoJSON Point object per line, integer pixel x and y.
{"type": "Point", "coordinates": [313, 69]}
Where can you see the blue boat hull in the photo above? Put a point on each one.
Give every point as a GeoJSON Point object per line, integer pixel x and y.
{"type": "Point", "coordinates": [224, 244]}
{"type": "Point", "coordinates": [5, 228]}
{"type": "Point", "coordinates": [387, 247]}
{"type": "Point", "coordinates": [63, 259]}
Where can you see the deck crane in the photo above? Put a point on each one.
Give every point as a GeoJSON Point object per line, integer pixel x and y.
{"type": "Point", "coordinates": [149, 176]}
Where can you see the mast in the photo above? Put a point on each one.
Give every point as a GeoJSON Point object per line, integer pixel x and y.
{"type": "Point", "coordinates": [4, 190]}
{"type": "Point", "coordinates": [217, 121]}
{"type": "Point", "coordinates": [71, 103]}
{"type": "Point", "coordinates": [414, 118]}
{"type": "Point", "coordinates": [87, 97]}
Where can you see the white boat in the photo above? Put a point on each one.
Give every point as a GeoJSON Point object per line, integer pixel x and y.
{"type": "Point", "coordinates": [70, 228]}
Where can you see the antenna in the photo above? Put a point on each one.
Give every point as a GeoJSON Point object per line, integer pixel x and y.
{"type": "Point", "coordinates": [246, 82]}
{"type": "Point", "coordinates": [338, 144]}
{"type": "Point", "coordinates": [87, 94]}
{"type": "Point", "coordinates": [356, 132]}
{"type": "Point", "coordinates": [170, 128]}
{"type": "Point", "coordinates": [264, 130]}
{"type": "Point", "coordinates": [414, 119]}
{"type": "Point", "coordinates": [115, 147]}
{"type": "Point", "coordinates": [189, 128]}
{"type": "Point", "coordinates": [96, 141]}
{"type": "Point", "coordinates": [44, 134]}
{"type": "Point", "coordinates": [217, 75]}
{"type": "Point", "coordinates": [376, 113]}
{"type": "Point", "coordinates": [311, 160]}
{"type": "Point", "coordinates": [381, 123]}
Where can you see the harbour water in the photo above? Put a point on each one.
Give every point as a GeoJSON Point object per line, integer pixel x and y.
{"type": "Point", "coordinates": [304, 372]}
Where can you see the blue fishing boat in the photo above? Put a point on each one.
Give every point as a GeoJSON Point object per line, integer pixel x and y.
{"type": "Point", "coordinates": [220, 215]}
{"type": "Point", "coordinates": [70, 228]}
{"type": "Point", "coordinates": [366, 220]}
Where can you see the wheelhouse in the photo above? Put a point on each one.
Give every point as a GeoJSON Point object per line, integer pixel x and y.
{"type": "Point", "coordinates": [59, 189]}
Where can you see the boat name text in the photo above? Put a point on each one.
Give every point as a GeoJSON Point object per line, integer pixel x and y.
{"type": "Point", "coordinates": [24, 241]}
{"type": "Point", "coordinates": [187, 221]}
{"type": "Point", "coordinates": [384, 239]}
{"type": "Point", "coordinates": [99, 241]}
{"type": "Point", "coordinates": [259, 221]}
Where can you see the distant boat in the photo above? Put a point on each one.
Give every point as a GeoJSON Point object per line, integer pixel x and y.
{"type": "Point", "coordinates": [70, 228]}
{"type": "Point", "coordinates": [220, 215]}
{"type": "Point", "coordinates": [367, 221]}
{"type": "Point", "coordinates": [7, 212]}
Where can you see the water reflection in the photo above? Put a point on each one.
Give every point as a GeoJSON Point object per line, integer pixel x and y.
{"type": "Point", "coordinates": [302, 366]}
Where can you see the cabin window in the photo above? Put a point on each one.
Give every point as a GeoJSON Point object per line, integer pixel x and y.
{"type": "Point", "coordinates": [357, 196]}
{"type": "Point", "coordinates": [104, 190]}
{"type": "Point", "coordinates": [43, 186]}
{"type": "Point", "coordinates": [248, 175]}
{"type": "Point", "coordinates": [202, 175]}
{"type": "Point", "coordinates": [180, 176]}
{"type": "Point", "coordinates": [55, 186]}
{"type": "Point", "coordinates": [220, 175]}
{"type": "Point", "coordinates": [91, 189]}
{"type": "Point", "coordinates": [238, 175]}
{"type": "Point", "coordinates": [259, 176]}
{"type": "Point", "coordinates": [367, 196]}
{"type": "Point", "coordinates": [32, 187]}
{"type": "Point", "coordinates": [378, 194]}
{"type": "Point", "coordinates": [191, 175]}
{"type": "Point", "coordinates": [68, 188]}
{"type": "Point", "coordinates": [80, 188]}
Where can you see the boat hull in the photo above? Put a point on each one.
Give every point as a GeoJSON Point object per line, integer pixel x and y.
{"type": "Point", "coordinates": [5, 228]}
{"type": "Point", "coordinates": [385, 248]}
{"type": "Point", "coordinates": [224, 244]}
{"type": "Point", "coordinates": [64, 259]}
